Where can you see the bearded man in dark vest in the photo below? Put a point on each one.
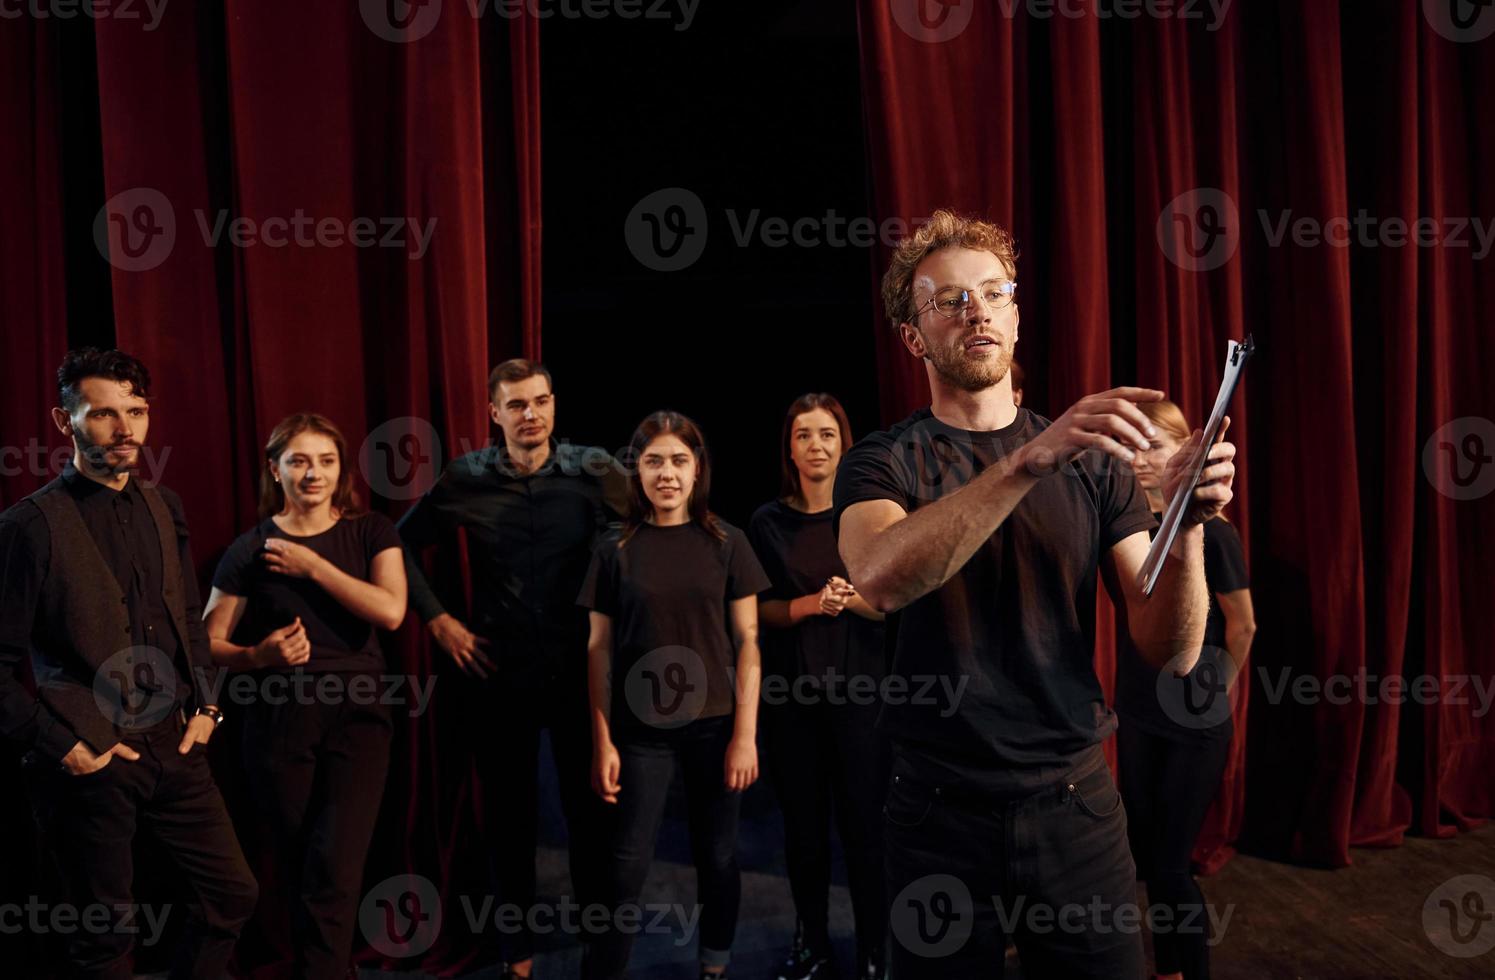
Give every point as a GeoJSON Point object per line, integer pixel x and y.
{"type": "Point", "coordinates": [97, 589]}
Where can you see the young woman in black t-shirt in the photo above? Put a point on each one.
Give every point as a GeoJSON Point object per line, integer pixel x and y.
{"type": "Point", "coordinates": [822, 751]}
{"type": "Point", "coordinates": [1174, 733]}
{"type": "Point", "coordinates": [302, 592]}
{"type": "Point", "coordinates": [674, 678]}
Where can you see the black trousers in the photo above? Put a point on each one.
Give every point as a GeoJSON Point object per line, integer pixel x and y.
{"type": "Point", "coordinates": [699, 751]}
{"type": "Point", "coordinates": [88, 824]}
{"type": "Point", "coordinates": [823, 759]}
{"type": "Point", "coordinates": [317, 772]}
{"type": "Point", "coordinates": [1050, 869]}
{"type": "Point", "coordinates": [1169, 785]}
{"type": "Point", "coordinates": [505, 721]}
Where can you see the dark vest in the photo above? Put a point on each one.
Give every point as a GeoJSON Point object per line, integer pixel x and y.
{"type": "Point", "coordinates": [87, 670]}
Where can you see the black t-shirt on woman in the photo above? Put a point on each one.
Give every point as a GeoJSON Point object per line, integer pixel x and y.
{"type": "Point", "coordinates": [798, 551]}
{"type": "Point", "coordinates": [667, 592]}
{"type": "Point", "coordinates": [1194, 706]}
{"type": "Point", "coordinates": [340, 640]}
{"type": "Point", "coordinates": [1016, 624]}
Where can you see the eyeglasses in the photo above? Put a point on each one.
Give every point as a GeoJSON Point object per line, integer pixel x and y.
{"type": "Point", "coordinates": [956, 300]}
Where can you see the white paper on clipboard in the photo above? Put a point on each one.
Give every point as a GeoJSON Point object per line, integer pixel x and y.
{"type": "Point", "coordinates": [1235, 365]}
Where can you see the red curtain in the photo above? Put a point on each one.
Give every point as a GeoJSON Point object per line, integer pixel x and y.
{"type": "Point", "coordinates": [1086, 134]}
{"type": "Point", "coordinates": [267, 112]}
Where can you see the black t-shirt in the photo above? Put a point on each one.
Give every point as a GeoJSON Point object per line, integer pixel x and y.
{"type": "Point", "coordinates": [1196, 705]}
{"type": "Point", "coordinates": [1016, 624]}
{"type": "Point", "coordinates": [667, 592]}
{"type": "Point", "coordinates": [340, 640]}
{"type": "Point", "coordinates": [798, 552]}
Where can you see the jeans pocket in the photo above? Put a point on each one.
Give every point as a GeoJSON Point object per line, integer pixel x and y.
{"type": "Point", "coordinates": [1096, 794]}
{"type": "Point", "coordinates": [906, 807]}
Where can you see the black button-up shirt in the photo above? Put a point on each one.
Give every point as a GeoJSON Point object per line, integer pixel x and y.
{"type": "Point", "coordinates": [529, 541]}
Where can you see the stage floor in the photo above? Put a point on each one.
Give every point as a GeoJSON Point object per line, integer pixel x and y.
{"type": "Point", "coordinates": [1285, 921]}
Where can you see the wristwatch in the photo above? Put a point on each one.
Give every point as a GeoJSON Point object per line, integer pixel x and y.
{"type": "Point", "coordinates": [212, 712]}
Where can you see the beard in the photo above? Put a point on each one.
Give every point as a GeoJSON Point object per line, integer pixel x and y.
{"type": "Point", "coordinates": [959, 371]}
{"type": "Point", "coordinates": [96, 455]}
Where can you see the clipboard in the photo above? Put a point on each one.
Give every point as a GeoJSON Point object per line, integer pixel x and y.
{"type": "Point", "coordinates": [1173, 518]}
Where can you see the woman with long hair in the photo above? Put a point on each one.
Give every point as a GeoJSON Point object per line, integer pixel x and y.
{"type": "Point", "coordinates": [821, 643]}
{"type": "Point", "coordinates": [303, 592]}
{"type": "Point", "coordinates": [674, 677]}
{"type": "Point", "coordinates": [1175, 731]}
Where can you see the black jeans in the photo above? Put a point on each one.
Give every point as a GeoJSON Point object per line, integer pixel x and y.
{"type": "Point", "coordinates": [505, 721]}
{"type": "Point", "coordinates": [317, 772]}
{"type": "Point", "coordinates": [648, 767]}
{"type": "Point", "coordinates": [823, 757]}
{"type": "Point", "coordinates": [88, 823]}
{"type": "Point", "coordinates": [1169, 785]}
{"type": "Point", "coordinates": [1050, 869]}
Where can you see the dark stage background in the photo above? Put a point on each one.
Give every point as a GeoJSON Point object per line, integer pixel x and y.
{"type": "Point", "coordinates": [534, 142]}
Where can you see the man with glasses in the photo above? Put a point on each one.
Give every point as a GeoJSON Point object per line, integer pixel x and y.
{"type": "Point", "coordinates": [980, 528]}
{"type": "Point", "coordinates": [531, 508]}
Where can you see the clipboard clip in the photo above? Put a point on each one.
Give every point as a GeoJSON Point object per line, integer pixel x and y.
{"type": "Point", "coordinates": [1245, 348]}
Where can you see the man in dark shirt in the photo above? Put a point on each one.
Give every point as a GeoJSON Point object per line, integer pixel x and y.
{"type": "Point", "coordinates": [98, 590]}
{"type": "Point", "coordinates": [981, 527]}
{"type": "Point", "coordinates": [531, 509]}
